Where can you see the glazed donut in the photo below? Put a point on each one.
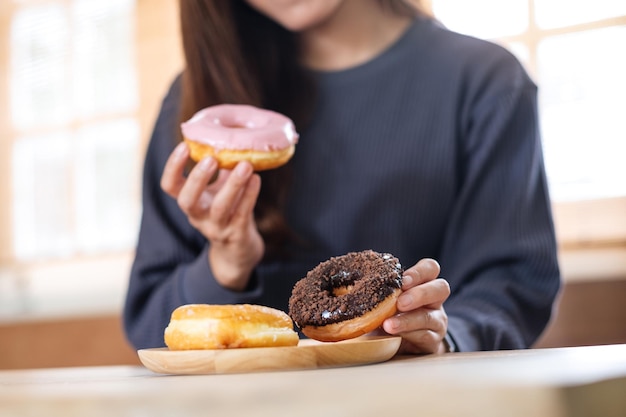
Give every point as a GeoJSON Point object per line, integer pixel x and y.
{"type": "Point", "coordinates": [208, 326]}
{"type": "Point", "coordinates": [346, 296]}
{"type": "Point", "coordinates": [235, 132]}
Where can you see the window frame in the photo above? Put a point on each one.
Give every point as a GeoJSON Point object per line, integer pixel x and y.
{"type": "Point", "coordinates": [581, 225]}
{"type": "Point", "coordinates": [55, 287]}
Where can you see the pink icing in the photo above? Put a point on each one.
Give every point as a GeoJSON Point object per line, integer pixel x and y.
{"type": "Point", "coordinates": [238, 126]}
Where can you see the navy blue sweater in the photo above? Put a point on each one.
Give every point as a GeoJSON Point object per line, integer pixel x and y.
{"type": "Point", "coordinates": [429, 150]}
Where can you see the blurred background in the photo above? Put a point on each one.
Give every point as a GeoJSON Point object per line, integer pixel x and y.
{"type": "Point", "coordinates": [80, 85]}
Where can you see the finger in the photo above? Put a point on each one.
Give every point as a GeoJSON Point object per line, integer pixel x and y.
{"type": "Point", "coordinates": [172, 179]}
{"type": "Point", "coordinates": [248, 200]}
{"type": "Point", "coordinates": [190, 194]}
{"type": "Point", "coordinates": [218, 180]}
{"type": "Point", "coordinates": [225, 201]}
{"type": "Point", "coordinates": [424, 319]}
{"type": "Point", "coordinates": [425, 270]}
{"type": "Point", "coordinates": [430, 294]}
{"type": "Point", "coordinates": [421, 341]}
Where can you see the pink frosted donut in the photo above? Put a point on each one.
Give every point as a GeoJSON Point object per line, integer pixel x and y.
{"type": "Point", "coordinates": [231, 133]}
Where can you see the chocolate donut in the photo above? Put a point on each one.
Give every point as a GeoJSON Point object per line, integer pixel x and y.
{"type": "Point", "coordinates": [346, 296]}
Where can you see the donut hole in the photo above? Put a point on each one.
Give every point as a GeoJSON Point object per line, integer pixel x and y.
{"type": "Point", "coordinates": [241, 121]}
{"type": "Point", "coordinates": [231, 124]}
{"type": "Point", "coordinates": [343, 290]}
{"type": "Point", "coordinates": [340, 283]}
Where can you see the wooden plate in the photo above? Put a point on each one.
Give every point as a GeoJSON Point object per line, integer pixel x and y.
{"type": "Point", "coordinates": [308, 354]}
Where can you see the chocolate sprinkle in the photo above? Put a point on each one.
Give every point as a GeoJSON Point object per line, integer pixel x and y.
{"type": "Point", "coordinates": [344, 287]}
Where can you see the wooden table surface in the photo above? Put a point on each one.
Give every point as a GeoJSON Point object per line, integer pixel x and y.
{"type": "Point", "coordinates": [578, 381]}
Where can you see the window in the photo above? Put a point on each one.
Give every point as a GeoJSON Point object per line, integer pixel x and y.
{"type": "Point", "coordinates": [73, 103]}
{"type": "Point", "coordinates": [81, 82]}
{"type": "Point", "coordinates": [575, 51]}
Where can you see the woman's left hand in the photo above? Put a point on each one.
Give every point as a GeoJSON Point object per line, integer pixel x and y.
{"type": "Point", "coordinates": [422, 322]}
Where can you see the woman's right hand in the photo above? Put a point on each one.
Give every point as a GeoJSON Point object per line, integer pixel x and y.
{"type": "Point", "coordinates": [222, 210]}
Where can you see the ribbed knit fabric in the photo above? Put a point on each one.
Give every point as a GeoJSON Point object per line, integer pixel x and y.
{"type": "Point", "coordinates": [429, 150]}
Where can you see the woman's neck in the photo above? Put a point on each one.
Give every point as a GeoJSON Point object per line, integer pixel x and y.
{"type": "Point", "coordinates": [359, 31]}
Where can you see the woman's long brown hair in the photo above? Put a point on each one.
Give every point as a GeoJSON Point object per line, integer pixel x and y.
{"type": "Point", "coordinates": [236, 55]}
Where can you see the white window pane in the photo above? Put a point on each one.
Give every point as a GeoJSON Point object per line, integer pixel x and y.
{"type": "Point", "coordinates": [42, 197]}
{"type": "Point", "coordinates": [483, 18]}
{"type": "Point", "coordinates": [559, 13]}
{"type": "Point", "coordinates": [583, 103]}
{"type": "Point", "coordinates": [106, 186]}
{"type": "Point", "coordinates": [104, 70]}
{"type": "Point", "coordinates": [39, 49]}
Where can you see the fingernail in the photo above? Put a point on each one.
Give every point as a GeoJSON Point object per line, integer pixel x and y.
{"type": "Point", "coordinates": [180, 150]}
{"type": "Point", "coordinates": [207, 164]}
{"type": "Point", "coordinates": [404, 301]}
{"type": "Point", "coordinates": [242, 170]}
{"type": "Point", "coordinates": [391, 324]}
{"type": "Point", "coordinates": [407, 280]}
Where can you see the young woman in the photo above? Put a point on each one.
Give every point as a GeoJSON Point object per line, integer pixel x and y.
{"type": "Point", "coordinates": [414, 140]}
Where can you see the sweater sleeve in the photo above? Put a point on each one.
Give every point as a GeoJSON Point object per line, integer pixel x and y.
{"type": "Point", "coordinates": [499, 252]}
{"type": "Point", "coordinates": [171, 265]}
